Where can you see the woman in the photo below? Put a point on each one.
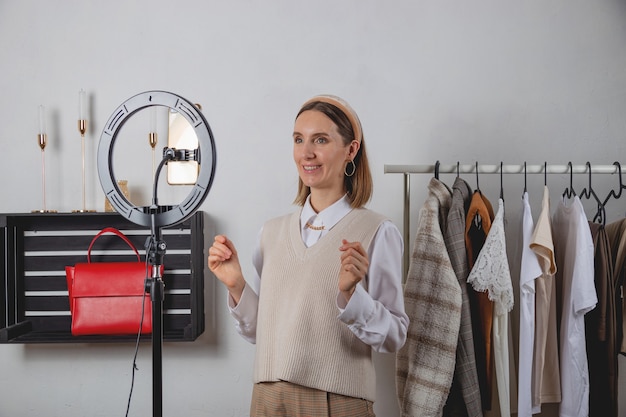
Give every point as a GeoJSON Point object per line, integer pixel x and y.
{"type": "Point", "coordinates": [330, 279]}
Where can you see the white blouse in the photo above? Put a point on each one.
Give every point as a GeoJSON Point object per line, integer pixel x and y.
{"type": "Point", "coordinates": [376, 315]}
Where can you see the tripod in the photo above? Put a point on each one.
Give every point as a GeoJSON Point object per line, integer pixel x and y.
{"type": "Point", "coordinates": [155, 249]}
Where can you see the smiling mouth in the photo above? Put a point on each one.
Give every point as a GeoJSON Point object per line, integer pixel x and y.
{"type": "Point", "coordinates": [309, 168]}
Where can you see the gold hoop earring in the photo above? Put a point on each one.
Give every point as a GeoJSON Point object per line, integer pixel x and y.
{"type": "Point", "coordinates": [345, 170]}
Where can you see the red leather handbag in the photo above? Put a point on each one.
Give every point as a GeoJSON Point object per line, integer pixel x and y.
{"type": "Point", "coordinates": [107, 298]}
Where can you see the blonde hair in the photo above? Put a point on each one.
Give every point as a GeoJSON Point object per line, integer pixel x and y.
{"type": "Point", "coordinates": [359, 187]}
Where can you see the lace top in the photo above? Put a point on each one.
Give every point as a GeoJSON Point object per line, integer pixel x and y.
{"type": "Point", "coordinates": [491, 272]}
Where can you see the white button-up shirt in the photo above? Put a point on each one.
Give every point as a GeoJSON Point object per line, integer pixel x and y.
{"type": "Point", "coordinates": [376, 316]}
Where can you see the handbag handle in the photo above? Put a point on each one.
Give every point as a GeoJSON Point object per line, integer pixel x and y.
{"type": "Point", "coordinates": [117, 233]}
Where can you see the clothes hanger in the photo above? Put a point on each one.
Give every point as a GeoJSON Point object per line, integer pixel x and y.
{"type": "Point", "coordinates": [477, 186]}
{"type": "Point", "coordinates": [501, 182]}
{"type": "Point", "coordinates": [478, 222]}
{"type": "Point", "coordinates": [601, 215]}
{"type": "Point", "coordinates": [545, 174]}
{"type": "Point", "coordinates": [586, 192]}
{"type": "Point", "coordinates": [457, 169]}
{"type": "Point", "coordinates": [569, 192]}
{"type": "Point", "coordinates": [621, 184]}
{"type": "Point", "coordinates": [525, 189]}
{"type": "Point", "coordinates": [437, 169]}
{"type": "Point", "coordinates": [612, 193]}
{"type": "Point", "coordinates": [589, 192]}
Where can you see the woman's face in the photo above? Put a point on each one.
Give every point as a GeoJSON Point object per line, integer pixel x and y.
{"type": "Point", "coordinates": [320, 153]}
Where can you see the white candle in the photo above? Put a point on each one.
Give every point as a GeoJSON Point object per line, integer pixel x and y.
{"type": "Point", "coordinates": [153, 119]}
{"type": "Point", "coordinates": [82, 105]}
{"type": "Point", "coordinates": [42, 120]}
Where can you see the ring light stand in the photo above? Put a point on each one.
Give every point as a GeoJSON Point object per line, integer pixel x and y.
{"type": "Point", "coordinates": [156, 216]}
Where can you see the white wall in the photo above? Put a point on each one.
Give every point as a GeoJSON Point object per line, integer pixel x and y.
{"type": "Point", "coordinates": [484, 80]}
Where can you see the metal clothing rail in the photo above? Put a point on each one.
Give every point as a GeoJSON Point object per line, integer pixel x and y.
{"type": "Point", "coordinates": [506, 169]}
{"type": "Point", "coordinates": [476, 168]}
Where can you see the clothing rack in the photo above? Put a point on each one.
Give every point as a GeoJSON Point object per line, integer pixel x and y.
{"type": "Point", "coordinates": [475, 168]}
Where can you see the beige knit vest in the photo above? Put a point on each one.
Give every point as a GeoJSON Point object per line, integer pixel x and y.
{"type": "Point", "coordinates": [299, 337]}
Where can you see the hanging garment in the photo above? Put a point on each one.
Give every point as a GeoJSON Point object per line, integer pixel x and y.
{"type": "Point", "coordinates": [600, 332]}
{"type": "Point", "coordinates": [477, 225]}
{"type": "Point", "coordinates": [546, 379]}
{"type": "Point", "coordinates": [530, 270]}
{"type": "Point", "coordinates": [616, 232]}
{"type": "Point", "coordinates": [464, 398]}
{"type": "Point", "coordinates": [573, 248]}
{"type": "Point", "coordinates": [432, 296]}
{"type": "Point", "coordinates": [491, 275]}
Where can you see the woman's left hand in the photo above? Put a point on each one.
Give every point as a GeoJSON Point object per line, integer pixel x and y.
{"type": "Point", "coordinates": [354, 265]}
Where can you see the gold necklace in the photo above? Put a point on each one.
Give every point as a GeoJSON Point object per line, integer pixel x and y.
{"type": "Point", "coordinates": [310, 226]}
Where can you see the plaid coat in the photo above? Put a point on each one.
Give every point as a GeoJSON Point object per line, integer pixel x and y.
{"type": "Point", "coordinates": [432, 296]}
{"type": "Point", "coordinates": [464, 397]}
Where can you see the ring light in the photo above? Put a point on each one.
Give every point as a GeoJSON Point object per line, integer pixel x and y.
{"type": "Point", "coordinates": [156, 216]}
{"type": "Point", "coordinates": [167, 215]}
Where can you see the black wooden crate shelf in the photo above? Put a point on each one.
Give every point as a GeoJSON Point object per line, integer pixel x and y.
{"type": "Point", "coordinates": [36, 248]}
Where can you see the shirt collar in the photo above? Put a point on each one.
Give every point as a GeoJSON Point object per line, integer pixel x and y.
{"type": "Point", "coordinates": [328, 217]}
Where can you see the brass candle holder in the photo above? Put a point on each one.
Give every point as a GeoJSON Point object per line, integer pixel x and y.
{"type": "Point", "coordinates": [153, 139]}
{"type": "Point", "coordinates": [42, 140]}
{"type": "Point", "coordinates": [82, 128]}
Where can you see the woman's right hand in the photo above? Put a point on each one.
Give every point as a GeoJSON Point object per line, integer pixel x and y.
{"type": "Point", "coordinates": [224, 263]}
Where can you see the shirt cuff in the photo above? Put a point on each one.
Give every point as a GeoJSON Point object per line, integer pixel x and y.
{"type": "Point", "coordinates": [242, 311]}
{"type": "Point", "coordinates": [356, 312]}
